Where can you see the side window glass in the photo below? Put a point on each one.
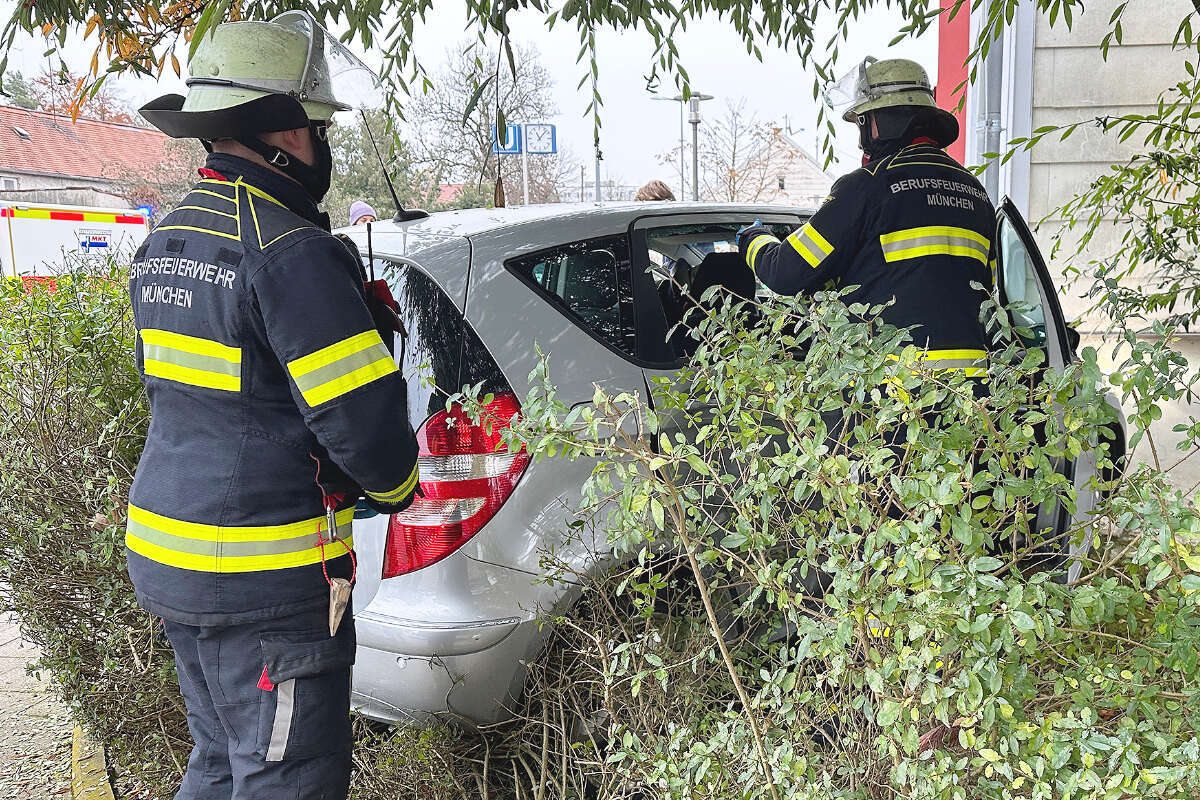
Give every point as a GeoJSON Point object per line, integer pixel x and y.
{"type": "Point", "coordinates": [1021, 285]}
{"type": "Point", "coordinates": [592, 281]}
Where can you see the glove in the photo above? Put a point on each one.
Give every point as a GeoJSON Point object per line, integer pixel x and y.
{"type": "Point", "coordinates": [747, 234]}
{"type": "Point", "coordinates": [364, 511]}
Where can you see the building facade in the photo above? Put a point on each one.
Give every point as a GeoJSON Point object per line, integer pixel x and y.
{"type": "Point", "coordinates": [1043, 75]}
{"type": "Point", "coordinates": [47, 158]}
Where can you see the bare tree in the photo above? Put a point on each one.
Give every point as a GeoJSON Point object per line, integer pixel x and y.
{"type": "Point", "coordinates": [743, 159]}
{"type": "Point", "coordinates": [451, 124]}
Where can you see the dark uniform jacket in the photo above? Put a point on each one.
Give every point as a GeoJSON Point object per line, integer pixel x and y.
{"type": "Point", "coordinates": [261, 360]}
{"type": "Point", "coordinates": [914, 227]}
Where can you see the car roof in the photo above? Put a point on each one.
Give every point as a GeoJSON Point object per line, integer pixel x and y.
{"type": "Point", "coordinates": [408, 238]}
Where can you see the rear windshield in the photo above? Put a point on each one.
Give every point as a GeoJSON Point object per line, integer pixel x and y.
{"type": "Point", "coordinates": [441, 352]}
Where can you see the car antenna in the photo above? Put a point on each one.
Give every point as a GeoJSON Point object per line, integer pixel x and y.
{"type": "Point", "coordinates": [402, 214]}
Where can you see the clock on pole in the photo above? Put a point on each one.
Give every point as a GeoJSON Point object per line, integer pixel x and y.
{"type": "Point", "coordinates": [540, 139]}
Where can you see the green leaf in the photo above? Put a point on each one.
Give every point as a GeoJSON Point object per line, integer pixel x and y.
{"type": "Point", "coordinates": [1021, 620]}
{"type": "Point", "coordinates": [656, 512]}
{"type": "Point", "coordinates": [473, 101]}
{"type": "Point", "coordinates": [1157, 574]}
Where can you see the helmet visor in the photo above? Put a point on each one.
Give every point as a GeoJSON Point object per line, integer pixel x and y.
{"type": "Point", "coordinates": [850, 89]}
{"type": "Point", "coordinates": [333, 75]}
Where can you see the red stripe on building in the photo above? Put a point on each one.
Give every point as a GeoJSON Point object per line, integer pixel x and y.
{"type": "Point", "coordinates": [954, 45]}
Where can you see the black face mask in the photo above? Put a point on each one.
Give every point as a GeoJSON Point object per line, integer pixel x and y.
{"type": "Point", "coordinates": [319, 176]}
{"type": "Point", "coordinates": [316, 178]}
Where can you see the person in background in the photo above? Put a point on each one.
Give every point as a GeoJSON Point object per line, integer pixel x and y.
{"type": "Point", "coordinates": [654, 190]}
{"type": "Point", "coordinates": [361, 213]}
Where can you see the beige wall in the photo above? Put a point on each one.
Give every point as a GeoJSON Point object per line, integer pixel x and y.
{"type": "Point", "coordinates": [51, 190]}
{"type": "Point", "coordinates": [1071, 83]}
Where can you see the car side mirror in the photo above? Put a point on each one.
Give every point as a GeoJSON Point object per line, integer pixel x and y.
{"type": "Point", "coordinates": [1072, 338]}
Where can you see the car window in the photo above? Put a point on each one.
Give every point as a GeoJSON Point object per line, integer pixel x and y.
{"type": "Point", "coordinates": [1021, 284]}
{"type": "Point", "coordinates": [677, 250]}
{"type": "Point", "coordinates": [591, 281]}
{"type": "Point", "coordinates": [441, 352]}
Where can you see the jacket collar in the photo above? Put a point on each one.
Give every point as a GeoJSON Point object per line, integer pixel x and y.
{"type": "Point", "coordinates": [280, 187]}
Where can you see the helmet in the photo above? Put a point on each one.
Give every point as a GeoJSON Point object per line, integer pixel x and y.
{"type": "Point", "coordinates": [257, 77]}
{"type": "Point", "coordinates": [891, 83]}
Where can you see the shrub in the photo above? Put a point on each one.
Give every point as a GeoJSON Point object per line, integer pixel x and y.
{"type": "Point", "coordinates": [881, 613]}
{"type": "Point", "coordinates": [73, 424]}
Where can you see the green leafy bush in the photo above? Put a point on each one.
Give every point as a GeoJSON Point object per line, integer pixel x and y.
{"type": "Point", "coordinates": [73, 424]}
{"type": "Point", "coordinates": [874, 608]}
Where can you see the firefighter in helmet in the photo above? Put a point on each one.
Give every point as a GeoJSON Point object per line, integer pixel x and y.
{"type": "Point", "coordinates": [910, 228]}
{"type": "Point", "coordinates": [276, 404]}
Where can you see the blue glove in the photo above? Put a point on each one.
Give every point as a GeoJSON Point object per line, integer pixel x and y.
{"type": "Point", "coordinates": [748, 233]}
{"type": "Point", "coordinates": [756, 224]}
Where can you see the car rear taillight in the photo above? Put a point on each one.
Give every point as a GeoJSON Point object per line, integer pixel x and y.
{"type": "Point", "coordinates": [466, 475]}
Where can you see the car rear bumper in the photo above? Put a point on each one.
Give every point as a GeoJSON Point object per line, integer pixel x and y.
{"type": "Point", "coordinates": [416, 673]}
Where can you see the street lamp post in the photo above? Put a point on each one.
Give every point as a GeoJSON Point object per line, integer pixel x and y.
{"type": "Point", "coordinates": [694, 119]}
{"type": "Point", "coordinates": [694, 103]}
{"type": "Point", "coordinates": [682, 175]}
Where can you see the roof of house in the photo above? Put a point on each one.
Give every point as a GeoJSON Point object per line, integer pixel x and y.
{"type": "Point", "coordinates": [39, 142]}
{"type": "Point", "coordinates": [449, 192]}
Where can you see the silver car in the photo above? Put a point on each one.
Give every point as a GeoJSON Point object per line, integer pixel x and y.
{"type": "Point", "coordinates": [449, 592]}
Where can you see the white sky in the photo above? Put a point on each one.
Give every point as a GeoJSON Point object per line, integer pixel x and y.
{"type": "Point", "coordinates": [637, 129]}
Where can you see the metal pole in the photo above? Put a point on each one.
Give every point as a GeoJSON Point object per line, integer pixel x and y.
{"type": "Point", "coordinates": [525, 161]}
{"type": "Point", "coordinates": [694, 119]}
{"type": "Point", "coordinates": [682, 182]}
{"type": "Point", "coordinates": [582, 174]}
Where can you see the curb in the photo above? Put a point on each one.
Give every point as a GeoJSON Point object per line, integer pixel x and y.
{"type": "Point", "coordinates": [89, 774]}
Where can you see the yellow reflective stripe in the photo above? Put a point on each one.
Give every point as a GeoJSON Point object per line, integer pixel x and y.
{"type": "Point", "coordinates": [400, 492]}
{"type": "Point", "coordinates": [207, 210]}
{"type": "Point", "coordinates": [194, 229]}
{"type": "Point", "coordinates": [328, 355]}
{"type": "Point", "coordinates": [239, 533]}
{"type": "Point", "coordinates": [192, 344]}
{"type": "Point", "coordinates": [214, 194]}
{"type": "Point", "coordinates": [759, 242]}
{"type": "Point", "coordinates": [935, 250]}
{"type": "Point", "coordinates": [952, 354]}
{"type": "Point", "coordinates": [200, 547]}
{"type": "Point", "coordinates": [821, 242]}
{"type": "Point", "coordinates": [191, 360]}
{"type": "Point", "coordinates": [206, 563]}
{"type": "Point", "coordinates": [192, 376]}
{"type": "Point", "coordinates": [341, 367]}
{"type": "Point", "coordinates": [800, 247]}
{"type": "Point", "coordinates": [811, 245]}
{"type": "Point", "coordinates": [934, 236]}
{"type": "Point", "coordinates": [965, 360]}
{"type": "Point", "coordinates": [934, 230]}
{"type": "Point", "coordinates": [254, 190]}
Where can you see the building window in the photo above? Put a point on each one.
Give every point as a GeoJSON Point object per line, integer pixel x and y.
{"type": "Point", "coordinates": [781, 183]}
{"type": "Point", "coordinates": [9, 183]}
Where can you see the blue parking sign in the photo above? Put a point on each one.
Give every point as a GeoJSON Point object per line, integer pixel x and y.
{"type": "Point", "coordinates": [512, 145]}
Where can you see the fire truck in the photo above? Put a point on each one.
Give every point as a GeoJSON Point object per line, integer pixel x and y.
{"type": "Point", "coordinates": [37, 241]}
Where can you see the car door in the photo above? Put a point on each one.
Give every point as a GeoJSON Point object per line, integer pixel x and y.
{"type": "Point", "coordinates": [1024, 286]}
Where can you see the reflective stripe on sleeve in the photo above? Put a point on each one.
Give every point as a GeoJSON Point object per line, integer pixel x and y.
{"type": "Point", "coordinates": [191, 360]}
{"type": "Point", "coordinates": [400, 492]}
{"type": "Point", "coordinates": [811, 245]}
{"type": "Point", "coordinates": [215, 548]}
{"type": "Point", "coordinates": [342, 367]}
{"type": "Point", "coordinates": [756, 245]}
{"type": "Point", "coordinates": [933, 240]}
